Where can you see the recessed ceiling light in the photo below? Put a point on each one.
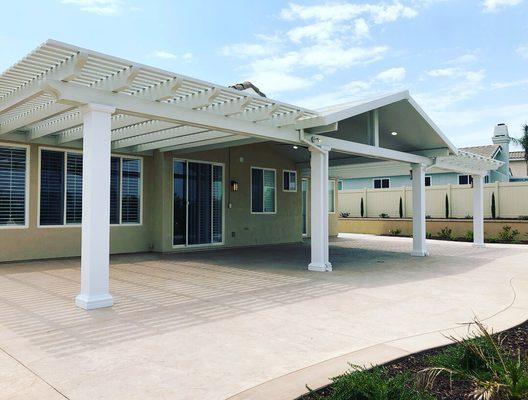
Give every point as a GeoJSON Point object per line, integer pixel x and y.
{"type": "Point", "coordinates": [394, 133]}
{"type": "Point", "coordinates": [295, 147]}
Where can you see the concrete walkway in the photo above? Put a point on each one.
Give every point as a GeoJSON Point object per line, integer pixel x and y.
{"type": "Point", "coordinates": [245, 323]}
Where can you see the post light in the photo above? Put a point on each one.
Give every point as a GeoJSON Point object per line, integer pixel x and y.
{"type": "Point", "coordinates": [234, 186]}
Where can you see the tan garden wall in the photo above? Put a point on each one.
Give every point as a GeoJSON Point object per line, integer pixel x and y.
{"type": "Point", "coordinates": [382, 226]}
{"type": "Point", "coordinates": [511, 200]}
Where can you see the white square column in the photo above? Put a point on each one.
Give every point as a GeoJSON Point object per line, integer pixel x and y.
{"type": "Point", "coordinates": [95, 246]}
{"type": "Point", "coordinates": [319, 210]}
{"type": "Point", "coordinates": [478, 210]}
{"type": "Point", "coordinates": [418, 196]}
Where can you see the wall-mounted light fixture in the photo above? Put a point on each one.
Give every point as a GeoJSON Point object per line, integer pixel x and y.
{"type": "Point", "coordinates": [394, 133]}
{"type": "Point", "coordinates": [295, 147]}
{"type": "Point", "coordinates": [234, 186]}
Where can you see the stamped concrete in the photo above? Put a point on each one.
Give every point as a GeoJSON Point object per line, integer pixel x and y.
{"type": "Point", "coordinates": [248, 323]}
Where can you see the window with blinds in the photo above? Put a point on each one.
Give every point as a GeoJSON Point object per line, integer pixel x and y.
{"type": "Point", "coordinates": [217, 203]}
{"type": "Point", "coordinates": [130, 190]}
{"type": "Point", "coordinates": [331, 196]}
{"type": "Point", "coordinates": [74, 166]}
{"type": "Point", "coordinates": [13, 164]}
{"type": "Point", "coordinates": [289, 181]}
{"type": "Point", "coordinates": [61, 189]}
{"type": "Point", "coordinates": [51, 187]}
{"type": "Point", "coordinates": [263, 190]}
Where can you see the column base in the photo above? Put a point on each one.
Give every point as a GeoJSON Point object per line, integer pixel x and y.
{"type": "Point", "coordinates": [419, 253]}
{"type": "Point", "coordinates": [318, 267]}
{"type": "Point", "coordinates": [480, 245]}
{"type": "Point", "coordinates": [329, 266]}
{"type": "Point", "coordinates": [93, 302]}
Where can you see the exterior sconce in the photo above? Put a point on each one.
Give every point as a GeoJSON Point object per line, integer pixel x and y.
{"type": "Point", "coordinates": [411, 174]}
{"type": "Point", "coordinates": [234, 186]}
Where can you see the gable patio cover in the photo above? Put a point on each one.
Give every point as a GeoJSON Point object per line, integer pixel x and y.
{"type": "Point", "coordinates": [64, 95]}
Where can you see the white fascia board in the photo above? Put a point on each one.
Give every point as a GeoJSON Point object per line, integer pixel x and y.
{"type": "Point", "coordinates": [347, 147]}
{"type": "Point", "coordinates": [135, 106]}
{"type": "Point", "coordinates": [174, 141]}
{"type": "Point", "coordinates": [370, 170]}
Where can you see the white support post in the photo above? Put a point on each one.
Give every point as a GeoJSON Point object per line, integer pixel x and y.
{"type": "Point", "coordinates": [418, 196]}
{"type": "Point", "coordinates": [326, 155]}
{"type": "Point", "coordinates": [478, 210]}
{"type": "Point", "coordinates": [95, 246]}
{"type": "Point", "coordinates": [319, 210]}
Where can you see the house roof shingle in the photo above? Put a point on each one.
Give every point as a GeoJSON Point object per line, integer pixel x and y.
{"type": "Point", "coordinates": [516, 155]}
{"type": "Point", "coordinates": [486, 151]}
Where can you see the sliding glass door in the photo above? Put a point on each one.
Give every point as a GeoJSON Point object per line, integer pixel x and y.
{"type": "Point", "coordinates": [198, 203]}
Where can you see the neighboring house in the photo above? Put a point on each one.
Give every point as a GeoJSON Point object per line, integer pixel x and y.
{"type": "Point", "coordinates": [518, 166]}
{"type": "Point", "coordinates": [385, 175]}
{"type": "Point", "coordinates": [101, 155]}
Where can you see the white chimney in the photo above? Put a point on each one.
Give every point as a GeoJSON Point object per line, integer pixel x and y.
{"type": "Point", "coordinates": [501, 137]}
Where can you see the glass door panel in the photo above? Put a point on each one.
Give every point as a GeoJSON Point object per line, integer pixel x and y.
{"type": "Point", "coordinates": [199, 208]}
{"type": "Point", "coordinates": [180, 203]}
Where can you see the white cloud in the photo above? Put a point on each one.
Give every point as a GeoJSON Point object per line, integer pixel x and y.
{"type": "Point", "coordinates": [246, 50]}
{"type": "Point", "coordinates": [522, 51]}
{"type": "Point", "coordinates": [443, 72]}
{"type": "Point", "coordinates": [102, 7]}
{"type": "Point", "coordinates": [392, 75]}
{"type": "Point", "coordinates": [494, 5]}
{"type": "Point", "coordinates": [505, 85]}
{"type": "Point", "coordinates": [167, 55]}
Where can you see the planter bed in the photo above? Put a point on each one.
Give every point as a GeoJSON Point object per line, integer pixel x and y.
{"type": "Point", "coordinates": [515, 340]}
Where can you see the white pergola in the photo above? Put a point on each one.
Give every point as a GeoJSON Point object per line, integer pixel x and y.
{"type": "Point", "coordinates": [61, 94]}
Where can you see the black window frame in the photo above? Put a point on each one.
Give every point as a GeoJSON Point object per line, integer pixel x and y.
{"type": "Point", "coordinates": [381, 181]}
{"type": "Point", "coordinates": [286, 179]}
{"type": "Point", "coordinates": [430, 179]}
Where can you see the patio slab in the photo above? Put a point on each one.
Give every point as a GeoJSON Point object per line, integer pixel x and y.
{"type": "Point", "coordinates": [245, 323]}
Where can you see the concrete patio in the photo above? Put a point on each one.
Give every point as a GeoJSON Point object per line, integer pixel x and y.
{"type": "Point", "coordinates": [245, 323]}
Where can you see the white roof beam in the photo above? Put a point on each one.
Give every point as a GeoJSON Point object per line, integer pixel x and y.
{"type": "Point", "coordinates": [67, 71]}
{"type": "Point", "coordinates": [197, 137]}
{"type": "Point", "coordinates": [170, 112]}
{"type": "Point", "coordinates": [157, 136]}
{"type": "Point", "coordinates": [259, 114]}
{"type": "Point", "coordinates": [56, 125]}
{"type": "Point", "coordinates": [211, 143]}
{"type": "Point", "coordinates": [286, 118]}
{"type": "Point", "coordinates": [70, 135]}
{"type": "Point", "coordinates": [140, 129]}
{"type": "Point", "coordinates": [232, 107]}
{"type": "Point", "coordinates": [199, 100]}
{"type": "Point", "coordinates": [121, 81]}
{"type": "Point", "coordinates": [30, 117]}
{"type": "Point", "coordinates": [163, 91]}
{"type": "Point", "coordinates": [347, 147]}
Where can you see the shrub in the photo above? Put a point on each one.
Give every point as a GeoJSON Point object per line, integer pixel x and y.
{"type": "Point", "coordinates": [469, 236]}
{"type": "Point", "coordinates": [479, 359]}
{"type": "Point", "coordinates": [446, 234]}
{"type": "Point", "coordinates": [375, 384]}
{"type": "Point", "coordinates": [345, 215]}
{"type": "Point", "coordinates": [401, 208]}
{"type": "Point", "coordinates": [428, 235]}
{"type": "Point", "coordinates": [468, 216]}
{"type": "Point", "coordinates": [493, 207]}
{"type": "Point", "coordinates": [523, 217]}
{"type": "Point", "coordinates": [362, 208]}
{"type": "Point", "coordinates": [395, 232]}
{"type": "Point", "coordinates": [427, 216]}
{"type": "Point", "coordinates": [446, 206]}
{"type": "Point", "coordinates": [384, 215]}
{"type": "Point", "coordinates": [508, 235]}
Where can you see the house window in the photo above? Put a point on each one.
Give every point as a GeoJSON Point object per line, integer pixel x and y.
{"type": "Point", "coordinates": [340, 185]}
{"type": "Point", "coordinates": [381, 183]}
{"type": "Point", "coordinates": [465, 179]}
{"type": "Point", "coordinates": [486, 179]}
{"type": "Point", "coordinates": [60, 201]}
{"type": "Point", "coordinates": [13, 184]}
{"type": "Point", "coordinates": [263, 190]}
{"type": "Point", "coordinates": [331, 196]}
{"type": "Point", "coordinates": [427, 181]}
{"type": "Point", "coordinates": [289, 181]}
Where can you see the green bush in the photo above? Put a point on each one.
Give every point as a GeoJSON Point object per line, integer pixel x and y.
{"type": "Point", "coordinates": [523, 217]}
{"type": "Point", "coordinates": [375, 384]}
{"type": "Point", "coordinates": [508, 235]}
{"type": "Point", "coordinates": [395, 232]}
{"type": "Point", "coordinates": [469, 236]}
{"type": "Point", "coordinates": [479, 359]}
{"type": "Point", "coordinates": [400, 208]}
{"type": "Point", "coordinates": [429, 235]}
{"type": "Point", "coordinates": [384, 215]}
{"type": "Point", "coordinates": [493, 207]}
{"type": "Point", "coordinates": [446, 234]}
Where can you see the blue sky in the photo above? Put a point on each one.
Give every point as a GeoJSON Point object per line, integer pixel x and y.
{"type": "Point", "coordinates": [466, 62]}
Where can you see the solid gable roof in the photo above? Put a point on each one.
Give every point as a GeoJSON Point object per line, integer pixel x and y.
{"type": "Point", "coordinates": [486, 151]}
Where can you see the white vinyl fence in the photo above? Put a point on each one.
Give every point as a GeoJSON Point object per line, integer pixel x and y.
{"type": "Point", "coordinates": [511, 201]}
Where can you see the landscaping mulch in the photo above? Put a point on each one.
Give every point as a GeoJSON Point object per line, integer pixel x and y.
{"type": "Point", "coordinates": [513, 341]}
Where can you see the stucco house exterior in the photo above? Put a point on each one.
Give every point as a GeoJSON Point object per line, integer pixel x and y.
{"type": "Point", "coordinates": [382, 175]}
{"type": "Point", "coordinates": [101, 155]}
{"type": "Point", "coordinates": [518, 166]}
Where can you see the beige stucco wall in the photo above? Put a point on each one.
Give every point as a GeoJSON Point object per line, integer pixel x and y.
{"type": "Point", "coordinates": [333, 224]}
{"type": "Point", "coordinates": [48, 242]}
{"type": "Point", "coordinates": [241, 227]}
